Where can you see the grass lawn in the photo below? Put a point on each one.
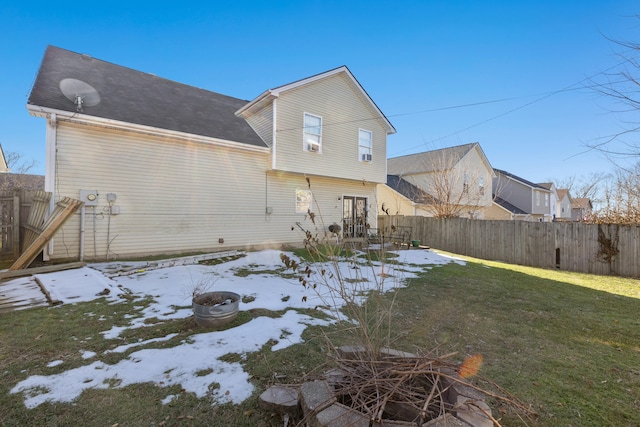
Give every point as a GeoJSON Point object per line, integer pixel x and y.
{"type": "Point", "coordinates": [565, 344]}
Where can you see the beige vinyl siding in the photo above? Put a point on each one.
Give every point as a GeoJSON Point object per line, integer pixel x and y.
{"type": "Point", "coordinates": [173, 195]}
{"type": "Point", "coordinates": [394, 202]}
{"type": "Point", "coordinates": [343, 112]}
{"type": "Point", "coordinates": [326, 204]}
{"type": "Point", "coordinates": [180, 197]}
{"type": "Point", "coordinates": [262, 124]}
{"type": "Point", "coordinates": [497, 212]}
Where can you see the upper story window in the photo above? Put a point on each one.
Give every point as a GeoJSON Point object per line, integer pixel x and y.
{"type": "Point", "coordinates": [481, 186]}
{"type": "Point", "coordinates": [546, 200]}
{"type": "Point", "coordinates": [465, 183]}
{"type": "Point", "coordinates": [312, 133]}
{"type": "Point", "coordinates": [365, 142]}
{"type": "Point", "coordinates": [537, 198]}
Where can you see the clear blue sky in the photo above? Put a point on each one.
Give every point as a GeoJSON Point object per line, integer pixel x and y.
{"type": "Point", "coordinates": [411, 57]}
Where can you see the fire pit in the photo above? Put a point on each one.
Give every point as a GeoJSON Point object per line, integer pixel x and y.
{"type": "Point", "coordinates": [215, 309]}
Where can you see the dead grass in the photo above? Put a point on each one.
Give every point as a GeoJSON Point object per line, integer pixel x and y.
{"type": "Point", "coordinates": [567, 345]}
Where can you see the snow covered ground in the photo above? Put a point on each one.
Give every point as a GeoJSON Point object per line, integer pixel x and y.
{"type": "Point", "coordinates": [171, 288]}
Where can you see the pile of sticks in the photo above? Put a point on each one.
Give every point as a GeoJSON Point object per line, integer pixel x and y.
{"type": "Point", "coordinates": [412, 389]}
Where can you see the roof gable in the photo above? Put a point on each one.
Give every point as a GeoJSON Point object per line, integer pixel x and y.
{"type": "Point", "coordinates": [131, 96]}
{"type": "Point", "coordinates": [3, 161]}
{"type": "Point", "coordinates": [268, 96]}
{"type": "Point", "coordinates": [434, 160]}
{"type": "Point", "coordinates": [581, 203]}
{"type": "Point", "coordinates": [521, 180]}
{"type": "Point", "coordinates": [408, 190]}
{"type": "Point", "coordinates": [508, 206]}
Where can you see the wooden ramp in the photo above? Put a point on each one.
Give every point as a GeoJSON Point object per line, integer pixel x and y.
{"type": "Point", "coordinates": [20, 294]}
{"type": "Point", "coordinates": [19, 289]}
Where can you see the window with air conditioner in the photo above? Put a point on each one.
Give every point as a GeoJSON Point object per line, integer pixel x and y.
{"type": "Point", "coordinates": [365, 144]}
{"type": "Point", "coordinates": [312, 139]}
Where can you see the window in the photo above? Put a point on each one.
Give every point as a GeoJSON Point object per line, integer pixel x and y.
{"type": "Point", "coordinates": [481, 185]}
{"type": "Point", "coordinates": [465, 184]}
{"type": "Point", "coordinates": [537, 199]}
{"type": "Point", "coordinates": [303, 201]}
{"type": "Point", "coordinates": [365, 140]}
{"type": "Point", "coordinates": [546, 200]}
{"type": "Point", "coordinates": [312, 133]}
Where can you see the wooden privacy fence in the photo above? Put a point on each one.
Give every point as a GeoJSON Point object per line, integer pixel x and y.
{"type": "Point", "coordinates": [20, 212]}
{"type": "Point", "coordinates": [607, 249]}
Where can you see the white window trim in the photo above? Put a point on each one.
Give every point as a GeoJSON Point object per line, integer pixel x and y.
{"type": "Point", "coordinates": [365, 153]}
{"type": "Point", "coordinates": [307, 146]}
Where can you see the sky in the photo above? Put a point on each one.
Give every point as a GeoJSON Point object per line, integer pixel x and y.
{"type": "Point", "coordinates": [511, 75]}
{"type": "Point", "coordinates": [170, 289]}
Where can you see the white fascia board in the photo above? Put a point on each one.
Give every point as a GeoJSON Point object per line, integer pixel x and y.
{"type": "Point", "coordinates": [262, 99]}
{"type": "Point", "coordinates": [80, 118]}
{"type": "Point", "coordinates": [275, 92]}
{"type": "Point", "coordinates": [311, 79]}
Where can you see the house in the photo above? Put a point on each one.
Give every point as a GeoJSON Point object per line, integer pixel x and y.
{"type": "Point", "coordinates": [449, 182]}
{"type": "Point", "coordinates": [400, 197]}
{"type": "Point", "coordinates": [4, 168]}
{"type": "Point", "coordinates": [553, 198]}
{"type": "Point", "coordinates": [581, 208]}
{"type": "Point", "coordinates": [533, 201]}
{"type": "Point", "coordinates": [166, 168]}
{"type": "Point", "coordinates": [505, 211]}
{"type": "Point", "coordinates": [563, 208]}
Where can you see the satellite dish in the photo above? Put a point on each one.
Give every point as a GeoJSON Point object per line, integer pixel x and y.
{"type": "Point", "coordinates": [80, 93]}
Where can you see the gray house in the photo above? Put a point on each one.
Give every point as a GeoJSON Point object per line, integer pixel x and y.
{"type": "Point", "coordinates": [527, 200]}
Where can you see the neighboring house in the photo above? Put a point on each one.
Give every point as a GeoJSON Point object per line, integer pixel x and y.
{"type": "Point", "coordinates": [166, 168]}
{"type": "Point", "coordinates": [503, 210]}
{"type": "Point", "coordinates": [3, 162]}
{"type": "Point", "coordinates": [452, 181]}
{"type": "Point", "coordinates": [553, 198]}
{"type": "Point", "coordinates": [563, 208]}
{"type": "Point", "coordinates": [527, 197]}
{"type": "Point", "coordinates": [400, 197]}
{"type": "Point", "coordinates": [581, 208]}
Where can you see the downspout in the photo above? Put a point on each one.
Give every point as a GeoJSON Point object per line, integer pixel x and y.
{"type": "Point", "coordinates": [50, 171]}
{"type": "Point", "coordinates": [82, 210]}
{"type": "Point", "coordinates": [274, 134]}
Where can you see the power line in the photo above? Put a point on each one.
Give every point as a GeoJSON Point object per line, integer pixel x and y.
{"type": "Point", "coordinates": [541, 96]}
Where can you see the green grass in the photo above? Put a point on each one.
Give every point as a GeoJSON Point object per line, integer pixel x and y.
{"type": "Point", "coordinates": [566, 344]}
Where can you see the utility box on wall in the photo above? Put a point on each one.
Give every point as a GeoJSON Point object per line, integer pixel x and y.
{"type": "Point", "coordinates": [89, 197]}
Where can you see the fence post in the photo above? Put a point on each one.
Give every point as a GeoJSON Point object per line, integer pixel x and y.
{"type": "Point", "coordinates": [15, 232]}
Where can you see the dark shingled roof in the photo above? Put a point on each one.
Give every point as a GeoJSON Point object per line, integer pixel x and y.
{"type": "Point", "coordinates": [408, 190]}
{"type": "Point", "coordinates": [508, 206]}
{"type": "Point", "coordinates": [517, 178]}
{"type": "Point", "coordinates": [135, 97]}
{"type": "Point", "coordinates": [428, 161]}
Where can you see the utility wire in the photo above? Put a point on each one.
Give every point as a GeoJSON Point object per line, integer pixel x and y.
{"type": "Point", "coordinates": [540, 97]}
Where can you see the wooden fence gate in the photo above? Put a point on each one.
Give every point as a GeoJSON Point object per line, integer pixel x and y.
{"type": "Point", "coordinates": [19, 211]}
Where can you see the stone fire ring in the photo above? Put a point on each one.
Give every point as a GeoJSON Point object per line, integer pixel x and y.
{"type": "Point", "coordinates": [317, 402]}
